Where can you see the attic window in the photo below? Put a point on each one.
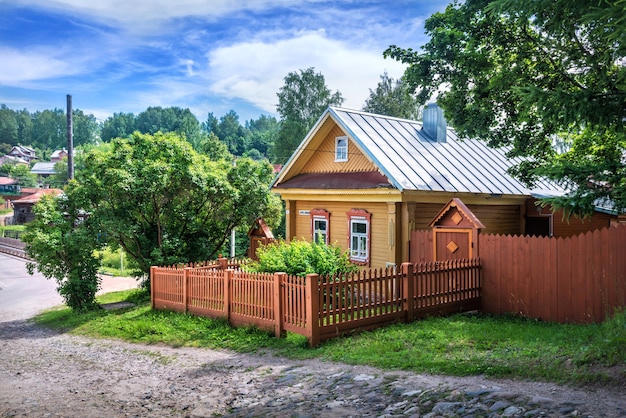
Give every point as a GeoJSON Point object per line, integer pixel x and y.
{"type": "Point", "coordinates": [341, 148]}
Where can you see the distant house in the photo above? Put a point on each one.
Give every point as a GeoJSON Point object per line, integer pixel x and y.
{"type": "Point", "coordinates": [58, 155]}
{"type": "Point", "coordinates": [23, 207]}
{"type": "Point", "coordinates": [43, 169]}
{"type": "Point", "coordinates": [10, 159]}
{"type": "Point", "coordinates": [25, 153]}
{"type": "Point", "coordinates": [9, 186]}
{"type": "Point", "coordinates": [368, 182]}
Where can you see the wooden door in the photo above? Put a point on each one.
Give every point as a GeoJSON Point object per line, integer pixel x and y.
{"type": "Point", "coordinates": [452, 243]}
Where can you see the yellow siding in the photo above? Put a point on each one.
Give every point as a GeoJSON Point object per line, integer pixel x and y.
{"type": "Point", "coordinates": [500, 219]}
{"type": "Point", "coordinates": [339, 226]}
{"type": "Point", "coordinates": [323, 161]}
{"type": "Point", "coordinates": [424, 214]}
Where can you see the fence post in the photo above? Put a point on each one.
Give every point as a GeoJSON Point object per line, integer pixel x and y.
{"type": "Point", "coordinates": [152, 274]}
{"type": "Point", "coordinates": [185, 271]}
{"type": "Point", "coordinates": [223, 262]}
{"type": "Point", "coordinates": [313, 309]}
{"type": "Point", "coordinates": [228, 276]}
{"type": "Point", "coordinates": [278, 303]}
{"type": "Point", "coordinates": [408, 289]}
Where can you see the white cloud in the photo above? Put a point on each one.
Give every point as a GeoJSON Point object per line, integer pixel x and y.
{"type": "Point", "coordinates": [19, 67]}
{"type": "Point", "coordinates": [150, 15]}
{"type": "Point", "coordinates": [255, 71]}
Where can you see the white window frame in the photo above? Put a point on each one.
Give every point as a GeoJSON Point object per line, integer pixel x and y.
{"type": "Point", "coordinates": [359, 243]}
{"type": "Point", "coordinates": [320, 215]}
{"type": "Point", "coordinates": [341, 151]}
{"type": "Point", "coordinates": [359, 250]}
{"type": "Point", "coordinates": [317, 232]}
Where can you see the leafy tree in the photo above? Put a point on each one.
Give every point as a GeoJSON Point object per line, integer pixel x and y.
{"type": "Point", "coordinates": [262, 134]}
{"type": "Point", "coordinates": [22, 174]}
{"type": "Point", "coordinates": [301, 101]}
{"type": "Point", "coordinates": [120, 125]}
{"type": "Point", "coordinates": [8, 126]}
{"type": "Point", "coordinates": [163, 203]}
{"type": "Point", "coordinates": [520, 73]}
{"type": "Point", "coordinates": [392, 98]}
{"type": "Point", "coordinates": [25, 128]}
{"type": "Point", "coordinates": [85, 128]}
{"type": "Point", "coordinates": [50, 129]}
{"type": "Point", "coordinates": [212, 147]}
{"type": "Point", "coordinates": [62, 243]}
{"type": "Point", "coordinates": [230, 132]}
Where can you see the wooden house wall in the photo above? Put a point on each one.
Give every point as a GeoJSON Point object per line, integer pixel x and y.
{"type": "Point", "coordinates": [424, 214]}
{"type": "Point", "coordinates": [498, 219]}
{"type": "Point", "coordinates": [339, 225]}
{"type": "Point", "coordinates": [323, 161]}
{"type": "Point", "coordinates": [569, 227]}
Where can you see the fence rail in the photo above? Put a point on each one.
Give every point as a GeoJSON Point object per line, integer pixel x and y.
{"type": "Point", "coordinates": [318, 307]}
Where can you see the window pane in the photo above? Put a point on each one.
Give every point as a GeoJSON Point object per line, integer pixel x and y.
{"type": "Point", "coordinates": [359, 227]}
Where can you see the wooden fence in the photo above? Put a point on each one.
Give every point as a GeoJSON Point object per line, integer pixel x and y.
{"type": "Point", "coordinates": [580, 279]}
{"type": "Point", "coordinates": [319, 307]}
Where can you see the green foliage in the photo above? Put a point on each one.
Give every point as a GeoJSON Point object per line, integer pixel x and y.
{"type": "Point", "coordinates": [393, 99]}
{"type": "Point", "coordinates": [62, 243]}
{"type": "Point", "coordinates": [301, 101]}
{"type": "Point", "coordinates": [164, 204]}
{"type": "Point", "coordinates": [521, 73]}
{"type": "Point", "coordinates": [120, 125]}
{"type": "Point", "coordinates": [22, 174]}
{"type": "Point", "coordinates": [302, 258]}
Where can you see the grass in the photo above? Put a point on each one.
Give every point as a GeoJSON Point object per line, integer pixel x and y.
{"type": "Point", "coordinates": [459, 345]}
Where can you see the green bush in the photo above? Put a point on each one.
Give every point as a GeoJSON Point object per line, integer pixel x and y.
{"type": "Point", "coordinates": [301, 258]}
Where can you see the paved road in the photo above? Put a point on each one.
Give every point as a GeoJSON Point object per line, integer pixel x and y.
{"type": "Point", "coordinates": [23, 295]}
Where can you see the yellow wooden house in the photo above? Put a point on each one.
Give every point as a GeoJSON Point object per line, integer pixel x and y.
{"type": "Point", "coordinates": [368, 181]}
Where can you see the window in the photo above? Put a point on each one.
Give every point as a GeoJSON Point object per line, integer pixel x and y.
{"type": "Point", "coordinates": [341, 148]}
{"type": "Point", "coordinates": [320, 221]}
{"type": "Point", "coordinates": [360, 235]}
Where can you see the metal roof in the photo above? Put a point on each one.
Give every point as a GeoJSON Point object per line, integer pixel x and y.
{"type": "Point", "coordinates": [412, 161]}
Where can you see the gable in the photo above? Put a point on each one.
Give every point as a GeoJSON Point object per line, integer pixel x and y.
{"type": "Point", "coordinates": [323, 159]}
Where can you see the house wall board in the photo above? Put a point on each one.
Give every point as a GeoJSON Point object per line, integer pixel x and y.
{"type": "Point", "coordinates": [323, 161]}
{"type": "Point", "coordinates": [498, 219]}
{"type": "Point", "coordinates": [569, 227]}
{"type": "Point", "coordinates": [339, 225]}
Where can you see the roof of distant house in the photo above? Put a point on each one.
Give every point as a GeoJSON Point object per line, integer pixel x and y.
{"type": "Point", "coordinates": [13, 159]}
{"type": "Point", "coordinates": [58, 154]}
{"type": "Point", "coordinates": [46, 167]}
{"type": "Point", "coordinates": [35, 197]}
{"type": "Point", "coordinates": [5, 181]}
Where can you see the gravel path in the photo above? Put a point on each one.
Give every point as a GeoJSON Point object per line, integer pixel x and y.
{"type": "Point", "coordinates": [47, 374]}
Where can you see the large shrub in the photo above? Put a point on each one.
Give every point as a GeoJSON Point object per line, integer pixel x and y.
{"type": "Point", "coordinates": [302, 258]}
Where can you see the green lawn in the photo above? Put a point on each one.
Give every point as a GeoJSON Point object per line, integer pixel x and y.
{"type": "Point", "coordinates": [463, 344]}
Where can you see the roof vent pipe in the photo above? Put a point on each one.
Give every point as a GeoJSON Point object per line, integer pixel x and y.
{"type": "Point", "coordinates": [434, 123]}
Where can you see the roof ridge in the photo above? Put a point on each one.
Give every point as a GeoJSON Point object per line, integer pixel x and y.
{"type": "Point", "coordinates": [376, 115]}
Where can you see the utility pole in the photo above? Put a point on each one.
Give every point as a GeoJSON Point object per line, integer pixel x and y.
{"type": "Point", "coordinates": [70, 140]}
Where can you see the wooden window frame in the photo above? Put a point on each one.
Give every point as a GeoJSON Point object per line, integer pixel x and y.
{"type": "Point", "coordinates": [320, 215]}
{"type": "Point", "coordinates": [360, 216]}
{"type": "Point", "coordinates": [341, 153]}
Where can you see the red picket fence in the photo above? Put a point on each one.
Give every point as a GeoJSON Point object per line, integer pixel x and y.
{"type": "Point", "coordinates": [318, 307]}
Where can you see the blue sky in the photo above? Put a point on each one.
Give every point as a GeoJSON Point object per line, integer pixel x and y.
{"type": "Point", "coordinates": [205, 55]}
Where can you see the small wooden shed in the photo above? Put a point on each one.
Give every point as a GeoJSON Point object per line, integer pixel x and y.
{"type": "Point", "coordinates": [455, 232]}
{"type": "Point", "coordinates": [259, 234]}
